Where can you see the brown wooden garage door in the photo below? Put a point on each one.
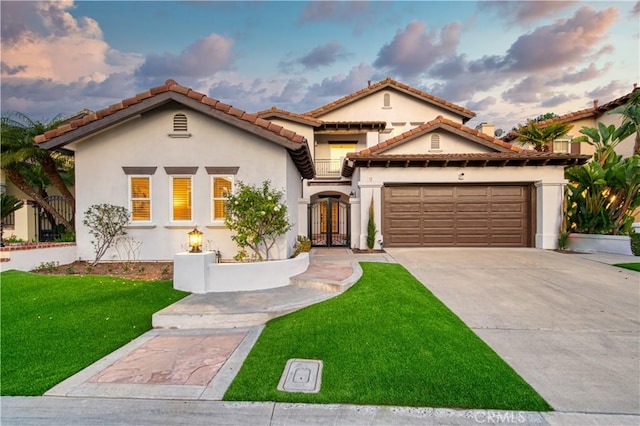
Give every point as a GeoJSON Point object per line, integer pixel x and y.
{"type": "Point", "coordinates": [457, 215]}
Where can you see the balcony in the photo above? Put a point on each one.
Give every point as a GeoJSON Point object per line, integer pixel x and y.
{"type": "Point", "coordinates": [328, 168]}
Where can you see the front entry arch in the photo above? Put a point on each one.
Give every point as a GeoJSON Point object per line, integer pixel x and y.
{"type": "Point", "coordinates": [329, 222]}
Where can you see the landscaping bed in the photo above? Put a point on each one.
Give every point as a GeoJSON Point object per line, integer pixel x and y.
{"type": "Point", "coordinates": [132, 270]}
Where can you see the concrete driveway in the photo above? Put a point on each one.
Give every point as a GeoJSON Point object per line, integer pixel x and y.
{"type": "Point", "coordinates": [569, 325]}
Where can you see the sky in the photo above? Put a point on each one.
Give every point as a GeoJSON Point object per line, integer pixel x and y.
{"type": "Point", "coordinates": [505, 60]}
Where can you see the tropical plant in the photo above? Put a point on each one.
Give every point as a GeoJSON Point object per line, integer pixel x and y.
{"type": "Point", "coordinates": [31, 168]}
{"type": "Point", "coordinates": [631, 115]}
{"type": "Point", "coordinates": [258, 216]}
{"type": "Point", "coordinates": [371, 228]}
{"type": "Point", "coordinates": [303, 245]}
{"type": "Point", "coordinates": [540, 137]}
{"type": "Point", "coordinates": [8, 205]}
{"type": "Point", "coordinates": [106, 223]}
{"type": "Point", "coordinates": [604, 139]}
{"type": "Point", "coordinates": [603, 194]}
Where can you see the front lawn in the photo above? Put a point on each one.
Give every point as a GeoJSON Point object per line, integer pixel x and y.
{"type": "Point", "coordinates": [632, 266]}
{"type": "Point", "coordinates": [386, 341]}
{"type": "Point", "coordinates": [54, 326]}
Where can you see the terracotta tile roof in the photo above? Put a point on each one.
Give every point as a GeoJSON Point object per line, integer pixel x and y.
{"type": "Point", "coordinates": [288, 115]}
{"type": "Point", "coordinates": [593, 111]}
{"type": "Point", "coordinates": [388, 82]}
{"type": "Point", "coordinates": [480, 159]}
{"type": "Point", "coordinates": [171, 90]}
{"type": "Point", "coordinates": [444, 123]}
{"type": "Point", "coordinates": [171, 86]}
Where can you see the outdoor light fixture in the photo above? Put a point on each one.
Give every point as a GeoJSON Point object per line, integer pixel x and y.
{"type": "Point", "coordinates": [195, 241]}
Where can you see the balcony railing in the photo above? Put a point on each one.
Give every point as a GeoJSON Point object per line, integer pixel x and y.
{"type": "Point", "coordinates": [328, 168]}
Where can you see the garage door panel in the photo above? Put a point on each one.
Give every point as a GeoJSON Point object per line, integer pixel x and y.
{"type": "Point", "coordinates": [438, 192]}
{"type": "Point", "coordinates": [507, 207]}
{"type": "Point", "coordinates": [438, 207]}
{"type": "Point", "coordinates": [508, 191]}
{"type": "Point", "coordinates": [403, 208]}
{"type": "Point", "coordinates": [457, 215]}
{"type": "Point", "coordinates": [473, 207]}
{"type": "Point", "coordinates": [405, 192]}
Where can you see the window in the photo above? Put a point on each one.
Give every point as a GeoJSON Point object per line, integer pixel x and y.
{"type": "Point", "coordinates": [435, 142]}
{"type": "Point", "coordinates": [562, 146]}
{"type": "Point", "coordinates": [140, 198]}
{"type": "Point", "coordinates": [180, 123]}
{"type": "Point", "coordinates": [181, 198]}
{"type": "Point", "coordinates": [222, 186]}
{"type": "Point", "coordinates": [386, 101]}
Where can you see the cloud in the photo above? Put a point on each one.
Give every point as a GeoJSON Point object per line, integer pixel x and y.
{"type": "Point", "coordinates": [323, 55]}
{"type": "Point", "coordinates": [413, 50]}
{"type": "Point", "coordinates": [558, 99]}
{"type": "Point", "coordinates": [563, 42]}
{"type": "Point", "coordinates": [9, 70]}
{"type": "Point", "coordinates": [523, 12]}
{"type": "Point", "coordinates": [323, 11]}
{"type": "Point", "coordinates": [204, 57]}
{"type": "Point", "coordinates": [528, 90]}
{"type": "Point", "coordinates": [584, 74]}
{"type": "Point", "coordinates": [340, 85]}
{"type": "Point", "coordinates": [57, 46]}
{"type": "Point", "coordinates": [292, 91]}
{"type": "Point", "coordinates": [482, 104]}
{"type": "Point", "coordinates": [609, 92]}
{"type": "Point", "coordinates": [636, 9]}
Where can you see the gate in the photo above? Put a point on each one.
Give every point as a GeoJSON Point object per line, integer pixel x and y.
{"type": "Point", "coordinates": [329, 223]}
{"type": "Point", "coordinates": [48, 227]}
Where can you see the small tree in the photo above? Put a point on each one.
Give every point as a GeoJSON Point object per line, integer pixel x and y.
{"type": "Point", "coordinates": [106, 222]}
{"type": "Point", "coordinates": [8, 205]}
{"type": "Point", "coordinates": [371, 228]}
{"type": "Point", "coordinates": [258, 217]}
{"type": "Point", "coordinates": [540, 137]}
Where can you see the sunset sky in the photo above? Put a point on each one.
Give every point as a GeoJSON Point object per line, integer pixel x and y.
{"type": "Point", "coordinates": [507, 61]}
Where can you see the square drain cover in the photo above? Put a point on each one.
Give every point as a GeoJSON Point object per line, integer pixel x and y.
{"type": "Point", "coordinates": [301, 375]}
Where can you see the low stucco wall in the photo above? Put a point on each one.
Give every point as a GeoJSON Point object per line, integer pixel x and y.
{"type": "Point", "coordinates": [198, 273]}
{"type": "Point", "coordinates": [590, 243]}
{"type": "Point", "coordinates": [225, 277]}
{"type": "Point", "coordinates": [26, 257]}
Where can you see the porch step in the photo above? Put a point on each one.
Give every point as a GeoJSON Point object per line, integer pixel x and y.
{"type": "Point", "coordinates": [236, 309]}
{"type": "Point", "coordinates": [330, 277]}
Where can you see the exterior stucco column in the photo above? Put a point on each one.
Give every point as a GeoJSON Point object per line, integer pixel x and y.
{"type": "Point", "coordinates": [368, 191]}
{"type": "Point", "coordinates": [549, 213]}
{"type": "Point", "coordinates": [303, 216]}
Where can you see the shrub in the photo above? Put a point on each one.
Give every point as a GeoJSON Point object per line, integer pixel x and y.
{"type": "Point", "coordinates": [635, 244]}
{"type": "Point", "coordinates": [258, 217]}
{"type": "Point", "coordinates": [303, 245]}
{"type": "Point", "coordinates": [106, 222]}
{"type": "Point", "coordinates": [371, 228]}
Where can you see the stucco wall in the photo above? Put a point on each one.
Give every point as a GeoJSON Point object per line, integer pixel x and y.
{"type": "Point", "coordinates": [449, 143]}
{"type": "Point", "coordinates": [144, 141]}
{"type": "Point", "coordinates": [404, 109]}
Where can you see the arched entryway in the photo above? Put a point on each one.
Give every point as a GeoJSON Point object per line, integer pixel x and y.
{"type": "Point", "coordinates": [329, 220]}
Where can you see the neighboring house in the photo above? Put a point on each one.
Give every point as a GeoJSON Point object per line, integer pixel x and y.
{"type": "Point", "coordinates": [168, 154]}
{"type": "Point", "coordinates": [588, 117]}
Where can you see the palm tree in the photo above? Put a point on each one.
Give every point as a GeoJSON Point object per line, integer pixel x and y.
{"type": "Point", "coordinates": [25, 163]}
{"type": "Point", "coordinates": [8, 205]}
{"type": "Point", "coordinates": [541, 137]}
{"type": "Point", "coordinates": [631, 114]}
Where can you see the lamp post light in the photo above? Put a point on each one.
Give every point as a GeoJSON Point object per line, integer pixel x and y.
{"type": "Point", "coordinates": [195, 241]}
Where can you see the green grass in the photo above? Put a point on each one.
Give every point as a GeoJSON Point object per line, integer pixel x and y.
{"type": "Point", "coordinates": [54, 326]}
{"type": "Point", "coordinates": [386, 341]}
{"type": "Point", "coordinates": [632, 266]}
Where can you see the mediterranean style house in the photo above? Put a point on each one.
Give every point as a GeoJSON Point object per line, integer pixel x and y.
{"type": "Point", "coordinates": [169, 155]}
